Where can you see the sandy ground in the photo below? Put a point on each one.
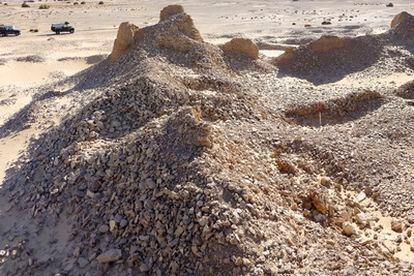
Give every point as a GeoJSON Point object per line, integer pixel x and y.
{"type": "Point", "coordinates": [265, 21]}
{"type": "Point", "coordinates": [273, 23]}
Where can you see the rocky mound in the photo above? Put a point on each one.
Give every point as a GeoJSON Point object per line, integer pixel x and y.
{"type": "Point", "coordinates": [330, 58]}
{"type": "Point", "coordinates": [131, 171]}
{"type": "Point", "coordinates": [174, 38]}
{"type": "Point", "coordinates": [176, 30]}
{"type": "Point", "coordinates": [175, 164]}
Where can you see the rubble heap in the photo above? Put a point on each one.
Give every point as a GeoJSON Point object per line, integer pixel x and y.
{"type": "Point", "coordinates": [328, 55]}
{"type": "Point", "coordinates": [329, 58]}
{"type": "Point", "coordinates": [177, 164]}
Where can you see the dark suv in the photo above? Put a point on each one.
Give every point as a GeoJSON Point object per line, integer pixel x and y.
{"type": "Point", "coordinates": [9, 30]}
{"type": "Point", "coordinates": [62, 28]}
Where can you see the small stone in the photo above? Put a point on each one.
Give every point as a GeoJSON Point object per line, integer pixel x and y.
{"type": "Point", "coordinates": [112, 225]}
{"type": "Point", "coordinates": [90, 194]}
{"type": "Point", "coordinates": [348, 229]}
{"type": "Point", "coordinates": [82, 262]}
{"type": "Point", "coordinates": [109, 256]}
{"type": "Point", "coordinates": [76, 252]}
{"type": "Point", "coordinates": [397, 226]}
{"type": "Point", "coordinates": [325, 181]}
{"type": "Point", "coordinates": [362, 219]}
{"type": "Point", "coordinates": [123, 223]}
{"type": "Point", "coordinates": [69, 265]}
{"type": "Point", "coordinates": [103, 228]}
{"type": "Point", "coordinates": [361, 196]}
{"type": "Point", "coordinates": [144, 268]}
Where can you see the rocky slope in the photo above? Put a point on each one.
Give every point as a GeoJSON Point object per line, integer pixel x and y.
{"type": "Point", "coordinates": [180, 157]}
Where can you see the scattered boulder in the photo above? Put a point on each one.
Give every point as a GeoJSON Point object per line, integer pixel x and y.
{"type": "Point", "coordinates": [389, 5]}
{"type": "Point", "coordinates": [242, 46]}
{"type": "Point", "coordinates": [124, 39]}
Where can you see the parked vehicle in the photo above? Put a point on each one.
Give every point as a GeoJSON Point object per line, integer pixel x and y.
{"type": "Point", "coordinates": [62, 28]}
{"type": "Point", "coordinates": [9, 30]}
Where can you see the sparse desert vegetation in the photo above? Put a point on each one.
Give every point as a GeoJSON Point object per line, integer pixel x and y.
{"type": "Point", "coordinates": [44, 7]}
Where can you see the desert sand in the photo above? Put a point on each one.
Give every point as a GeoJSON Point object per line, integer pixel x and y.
{"type": "Point", "coordinates": [234, 138]}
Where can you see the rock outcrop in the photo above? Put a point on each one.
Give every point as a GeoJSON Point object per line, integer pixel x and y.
{"type": "Point", "coordinates": [401, 18]}
{"type": "Point", "coordinates": [403, 26]}
{"type": "Point", "coordinates": [124, 40]}
{"type": "Point", "coordinates": [242, 46]}
{"type": "Point", "coordinates": [169, 11]}
{"type": "Point", "coordinates": [175, 31]}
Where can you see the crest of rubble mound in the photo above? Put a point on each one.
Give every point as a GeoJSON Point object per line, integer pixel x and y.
{"type": "Point", "coordinates": [176, 38]}
{"type": "Point", "coordinates": [175, 31]}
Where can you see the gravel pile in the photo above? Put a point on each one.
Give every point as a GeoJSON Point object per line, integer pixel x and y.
{"type": "Point", "coordinates": [330, 58]}
{"type": "Point", "coordinates": [179, 159]}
